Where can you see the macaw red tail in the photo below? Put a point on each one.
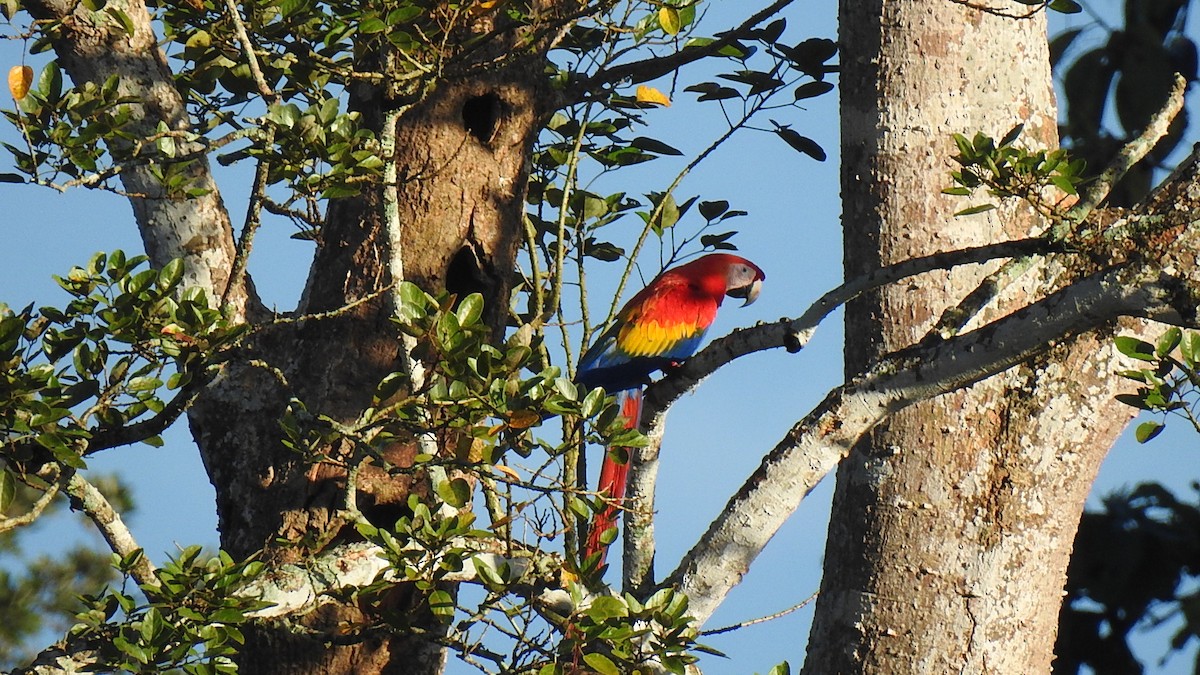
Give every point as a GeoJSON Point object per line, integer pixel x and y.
{"type": "Point", "coordinates": [613, 474]}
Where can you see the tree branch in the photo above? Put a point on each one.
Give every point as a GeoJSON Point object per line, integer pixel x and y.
{"type": "Point", "coordinates": [35, 510]}
{"type": "Point", "coordinates": [792, 334]}
{"type": "Point", "coordinates": [1162, 283]}
{"type": "Point", "coordinates": [85, 497]}
{"type": "Point", "coordinates": [816, 444]}
{"type": "Point", "coordinates": [298, 589]}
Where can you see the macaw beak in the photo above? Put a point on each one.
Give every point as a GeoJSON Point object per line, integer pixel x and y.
{"type": "Point", "coordinates": [749, 292]}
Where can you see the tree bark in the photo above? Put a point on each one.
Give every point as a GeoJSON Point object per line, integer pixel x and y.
{"type": "Point", "coordinates": [952, 525]}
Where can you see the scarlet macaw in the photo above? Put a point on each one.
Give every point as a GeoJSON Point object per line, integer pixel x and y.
{"type": "Point", "coordinates": [660, 326]}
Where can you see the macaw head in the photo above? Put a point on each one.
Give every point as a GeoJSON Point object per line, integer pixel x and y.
{"type": "Point", "coordinates": [728, 274]}
{"type": "Point", "coordinates": [743, 280]}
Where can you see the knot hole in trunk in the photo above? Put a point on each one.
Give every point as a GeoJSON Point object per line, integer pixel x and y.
{"type": "Point", "coordinates": [481, 116]}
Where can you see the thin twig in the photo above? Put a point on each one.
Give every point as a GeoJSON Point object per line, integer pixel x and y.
{"type": "Point", "coordinates": [248, 49]}
{"type": "Point", "coordinates": [35, 511]}
{"type": "Point", "coordinates": [410, 365]}
{"type": "Point", "coordinates": [762, 619]}
{"type": "Point", "coordinates": [237, 275]}
{"type": "Point", "coordinates": [1032, 12]}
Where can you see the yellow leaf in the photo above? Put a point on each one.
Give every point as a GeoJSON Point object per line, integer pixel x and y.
{"type": "Point", "coordinates": [668, 18]}
{"type": "Point", "coordinates": [523, 419]}
{"type": "Point", "coordinates": [19, 79]}
{"type": "Point", "coordinates": [651, 95]}
{"type": "Point", "coordinates": [508, 471]}
{"type": "Point", "coordinates": [484, 6]}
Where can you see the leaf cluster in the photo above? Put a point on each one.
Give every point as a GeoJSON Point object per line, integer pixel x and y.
{"type": "Point", "coordinates": [67, 132]}
{"type": "Point", "coordinates": [1007, 171]}
{"type": "Point", "coordinates": [190, 620]}
{"type": "Point", "coordinates": [616, 635]}
{"type": "Point", "coordinates": [114, 366]}
{"type": "Point", "coordinates": [1169, 385]}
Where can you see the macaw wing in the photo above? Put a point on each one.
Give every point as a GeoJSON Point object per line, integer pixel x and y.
{"type": "Point", "coordinates": [660, 325]}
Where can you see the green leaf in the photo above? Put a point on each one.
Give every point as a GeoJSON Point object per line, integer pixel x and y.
{"type": "Point", "coordinates": [456, 492]}
{"type": "Point", "coordinates": [800, 143]}
{"type": "Point", "coordinates": [668, 18]}
{"type": "Point", "coordinates": [441, 603]}
{"type": "Point", "coordinates": [284, 114]}
{"type": "Point", "coordinates": [1065, 6]}
{"type": "Point", "coordinates": [1065, 184]}
{"type": "Point", "coordinates": [813, 89]}
{"type": "Point", "coordinates": [607, 607]}
{"type": "Point", "coordinates": [50, 82]}
{"type": "Point", "coordinates": [1134, 348]}
{"type": "Point", "coordinates": [1012, 135]}
{"type": "Point", "coordinates": [470, 309]}
{"type": "Point", "coordinates": [143, 384]}
{"type": "Point", "coordinates": [592, 402]}
{"type": "Point", "coordinates": [372, 25]}
{"type": "Point", "coordinates": [1189, 349]}
{"type": "Point", "coordinates": [1146, 431]}
{"type": "Point", "coordinates": [1168, 342]}
{"type": "Point", "coordinates": [1134, 401]}
{"type": "Point", "coordinates": [758, 80]}
{"type": "Point", "coordinates": [711, 91]}
{"type": "Point", "coordinates": [653, 145]}
{"type": "Point", "coordinates": [170, 274]}
{"type": "Point", "coordinates": [122, 18]}
{"type": "Point", "coordinates": [773, 31]}
{"type": "Point", "coordinates": [601, 664]}
{"type": "Point", "coordinates": [712, 210]}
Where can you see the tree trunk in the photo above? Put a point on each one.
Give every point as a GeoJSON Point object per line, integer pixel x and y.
{"type": "Point", "coordinates": [461, 195]}
{"type": "Point", "coordinates": [463, 144]}
{"type": "Point", "coordinates": [953, 524]}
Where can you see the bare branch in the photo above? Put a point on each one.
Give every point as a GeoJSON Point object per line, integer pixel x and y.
{"type": "Point", "coordinates": [994, 11]}
{"type": "Point", "coordinates": [1132, 153]}
{"type": "Point", "coordinates": [35, 511]}
{"type": "Point", "coordinates": [762, 619]}
{"type": "Point", "coordinates": [85, 497]}
{"type": "Point", "coordinates": [819, 441]}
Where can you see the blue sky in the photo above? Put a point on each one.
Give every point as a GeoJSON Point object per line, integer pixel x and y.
{"type": "Point", "coordinates": [715, 436]}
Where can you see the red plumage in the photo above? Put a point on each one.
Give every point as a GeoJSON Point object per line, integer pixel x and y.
{"type": "Point", "coordinates": [661, 325]}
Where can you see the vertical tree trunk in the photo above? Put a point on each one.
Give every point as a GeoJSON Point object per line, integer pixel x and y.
{"type": "Point", "coordinates": [461, 195]}
{"type": "Point", "coordinates": [461, 156]}
{"type": "Point", "coordinates": [953, 524]}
